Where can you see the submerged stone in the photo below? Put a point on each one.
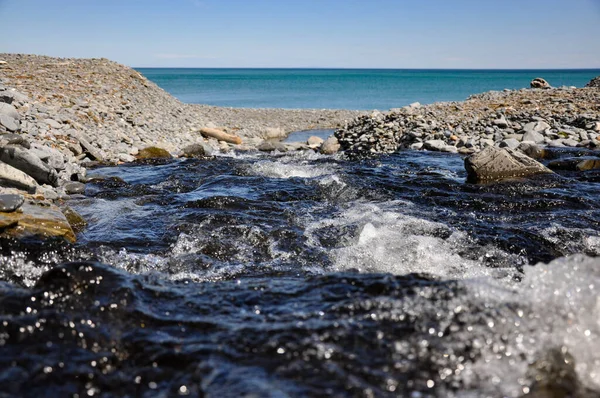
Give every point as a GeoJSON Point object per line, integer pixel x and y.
{"type": "Point", "coordinates": [493, 164]}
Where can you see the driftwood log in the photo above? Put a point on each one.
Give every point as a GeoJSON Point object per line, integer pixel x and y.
{"type": "Point", "coordinates": [220, 135]}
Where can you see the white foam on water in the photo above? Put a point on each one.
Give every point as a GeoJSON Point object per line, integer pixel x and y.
{"type": "Point", "coordinates": [394, 242]}
{"type": "Point", "coordinates": [295, 165]}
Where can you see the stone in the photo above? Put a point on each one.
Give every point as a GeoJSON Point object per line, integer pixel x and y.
{"type": "Point", "coordinates": [510, 143]}
{"type": "Point", "coordinates": [12, 177]}
{"type": "Point", "coordinates": [588, 164]}
{"type": "Point", "coordinates": [538, 82]}
{"type": "Point", "coordinates": [533, 136]}
{"type": "Point", "coordinates": [10, 202]}
{"type": "Point", "coordinates": [28, 163]}
{"type": "Point", "coordinates": [74, 188]}
{"type": "Point", "coordinates": [269, 133]}
{"type": "Point", "coordinates": [7, 97]}
{"type": "Point", "coordinates": [75, 220]}
{"type": "Point", "coordinates": [90, 150]}
{"type": "Point", "coordinates": [9, 123]}
{"type": "Point", "coordinates": [153, 152]}
{"type": "Point", "coordinates": [435, 145]}
{"type": "Point", "coordinates": [449, 149]}
{"type": "Point", "coordinates": [537, 126]}
{"type": "Point", "coordinates": [36, 219]}
{"type": "Point", "coordinates": [16, 139]}
{"type": "Point", "coordinates": [270, 146]}
{"type": "Point", "coordinates": [493, 164]}
{"type": "Point", "coordinates": [9, 110]}
{"type": "Point", "coordinates": [314, 141]}
{"type": "Point", "coordinates": [501, 122]}
{"type": "Point", "coordinates": [53, 123]}
{"type": "Point", "coordinates": [532, 150]}
{"type": "Point", "coordinates": [330, 146]}
{"type": "Point", "coordinates": [196, 151]}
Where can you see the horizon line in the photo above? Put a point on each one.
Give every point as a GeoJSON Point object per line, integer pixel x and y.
{"type": "Point", "coordinates": [362, 68]}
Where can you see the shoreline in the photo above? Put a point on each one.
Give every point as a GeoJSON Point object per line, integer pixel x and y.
{"type": "Point", "coordinates": [59, 116]}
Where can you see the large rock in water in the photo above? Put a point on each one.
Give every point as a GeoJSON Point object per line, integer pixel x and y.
{"type": "Point", "coordinates": [39, 219]}
{"type": "Point", "coordinates": [493, 164]}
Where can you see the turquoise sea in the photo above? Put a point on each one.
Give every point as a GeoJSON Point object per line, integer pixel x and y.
{"type": "Point", "coordinates": [345, 88]}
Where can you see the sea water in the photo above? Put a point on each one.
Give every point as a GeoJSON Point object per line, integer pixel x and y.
{"type": "Point", "coordinates": [359, 89]}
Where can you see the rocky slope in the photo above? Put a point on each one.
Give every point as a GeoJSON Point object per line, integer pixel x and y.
{"type": "Point", "coordinates": [554, 117]}
{"type": "Point", "coordinates": [57, 116]}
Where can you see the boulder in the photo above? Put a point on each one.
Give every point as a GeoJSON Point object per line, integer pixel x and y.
{"type": "Point", "coordinates": [493, 164]}
{"type": "Point", "coordinates": [330, 146]}
{"type": "Point", "coordinates": [29, 163]}
{"type": "Point", "coordinates": [11, 177]}
{"type": "Point", "coordinates": [89, 149]}
{"type": "Point", "coordinates": [538, 82]}
{"type": "Point", "coordinates": [35, 218]}
{"type": "Point", "coordinates": [153, 152]}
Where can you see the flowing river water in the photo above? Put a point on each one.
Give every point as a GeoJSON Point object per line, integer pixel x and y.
{"type": "Point", "coordinates": [305, 275]}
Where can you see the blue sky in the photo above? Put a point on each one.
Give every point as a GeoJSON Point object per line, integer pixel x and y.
{"type": "Point", "coordinates": [310, 33]}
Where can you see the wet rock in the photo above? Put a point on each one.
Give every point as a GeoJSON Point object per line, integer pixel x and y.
{"type": "Point", "coordinates": [28, 163]}
{"type": "Point", "coordinates": [538, 82]}
{"type": "Point", "coordinates": [76, 221]}
{"type": "Point", "coordinates": [493, 164]}
{"type": "Point", "coordinates": [12, 177]}
{"type": "Point", "coordinates": [330, 146]}
{"type": "Point", "coordinates": [10, 202]}
{"type": "Point", "coordinates": [588, 164]}
{"type": "Point", "coordinates": [270, 146]}
{"type": "Point", "coordinates": [153, 152]}
{"type": "Point", "coordinates": [36, 219]}
{"type": "Point", "coordinates": [532, 150]}
{"type": "Point", "coordinates": [553, 375]}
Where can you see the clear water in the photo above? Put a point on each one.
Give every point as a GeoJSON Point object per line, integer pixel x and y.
{"type": "Point", "coordinates": [361, 89]}
{"type": "Point", "coordinates": [305, 275]}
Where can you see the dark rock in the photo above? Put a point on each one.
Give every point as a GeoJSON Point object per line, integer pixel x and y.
{"type": "Point", "coordinates": [10, 202]}
{"type": "Point", "coordinates": [595, 82]}
{"type": "Point", "coordinates": [153, 152]}
{"type": "Point", "coordinates": [538, 82]}
{"type": "Point", "coordinates": [28, 163]}
{"type": "Point", "coordinates": [7, 97]}
{"type": "Point", "coordinates": [493, 164]}
{"type": "Point", "coordinates": [12, 177]}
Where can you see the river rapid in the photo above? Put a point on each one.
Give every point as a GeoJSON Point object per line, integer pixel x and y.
{"type": "Point", "coordinates": [306, 275]}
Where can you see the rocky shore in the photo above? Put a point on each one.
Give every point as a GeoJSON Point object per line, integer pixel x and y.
{"type": "Point", "coordinates": [554, 117]}
{"type": "Point", "coordinates": [60, 116]}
